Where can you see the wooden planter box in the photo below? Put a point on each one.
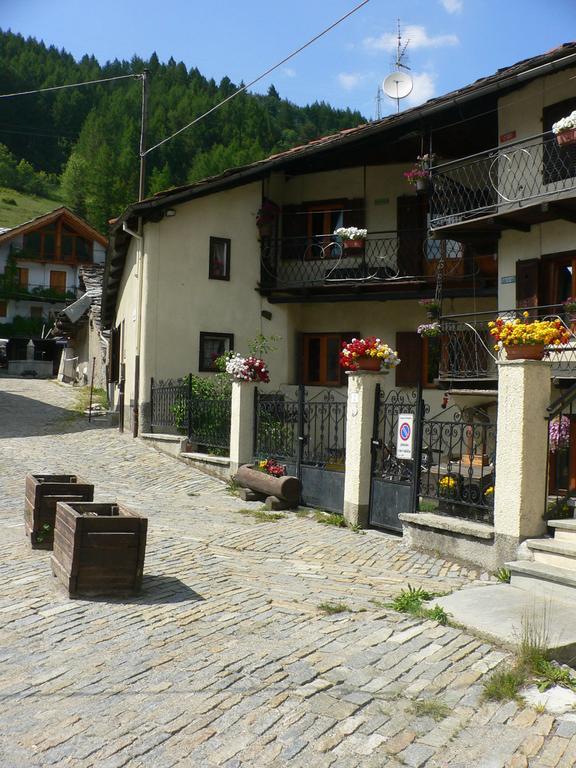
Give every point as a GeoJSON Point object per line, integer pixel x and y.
{"type": "Point", "coordinates": [43, 492]}
{"type": "Point", "coordinates": [98, 548]}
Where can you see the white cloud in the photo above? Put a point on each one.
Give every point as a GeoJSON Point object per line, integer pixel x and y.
{"type": "Point", "coordinates": [415, 34]}
{"type": "Point", "coordinates": [289, 72]}
{"type": "Point", "coordinates": [424, 88]}
{"type": "Point", "coordinates": [452, 6]}
{"type": "Point", "coordinates": [350, 80]}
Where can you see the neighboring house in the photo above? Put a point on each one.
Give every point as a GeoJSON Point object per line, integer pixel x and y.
{"type": "Point", "coordinates": [198, 270]}
{"type": "Point", "coordinates": [85, 357]}
{"type": "Point", "coordinates": [39, 266]}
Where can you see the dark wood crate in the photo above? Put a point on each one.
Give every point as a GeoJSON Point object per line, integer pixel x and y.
{"type": "Point", "coordinates": [98, 548]}
{"type": "Point", "coordinates": [42, 494]}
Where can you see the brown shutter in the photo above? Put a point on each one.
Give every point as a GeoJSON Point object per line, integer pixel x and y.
{"type": "Point", "coordinates": [411, 226]}
{"type": "Point", "coordinates": [527, 280]}
{"type": "Point", "coordinates": [409, 348]}
{"type": "Point", "coordinates": [294, 231]}
{"type": "Point", "coordinates": [114, 354]}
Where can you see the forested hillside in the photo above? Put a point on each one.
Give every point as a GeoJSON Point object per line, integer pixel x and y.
{"type": "Point", "coordinates": [83, 143]}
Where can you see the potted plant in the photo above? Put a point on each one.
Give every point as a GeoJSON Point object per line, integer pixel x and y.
{"type": "Point", "coordinates": [432, 307]}
{"type": "Point", "coordinates": [351, 237]}
{"type": "Point", "coordinates": [565, 129]}
{"type": "Point", "coordinates": [271, 467]}
{"type": "Point", "coordinates": [419, 175]}
{"type": "Point", "coordinates": [370, 354]}
{"type": "Point", "coordinates": [429, 329]}
{"type": "Point", "coordinates": [249, 368]}
{"type": "Point", "coordinates": [266, 218]}
{"type": "Point", "coordinates": [525, 339]}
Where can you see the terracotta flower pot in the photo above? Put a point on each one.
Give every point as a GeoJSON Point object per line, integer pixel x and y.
{"type": "Point", "coordinates": [369, 363]}
{"type": "Point", "coordinates": [350, 245]}
{"type": "Point", "coordinates": [566, 137]}
{"type": "Point", "coordinates": [525, 352]}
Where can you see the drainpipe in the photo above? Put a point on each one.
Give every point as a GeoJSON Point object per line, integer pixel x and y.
{"type": "Point", "coordinates": [139, 237]}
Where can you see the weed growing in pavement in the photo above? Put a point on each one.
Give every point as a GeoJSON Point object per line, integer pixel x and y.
{"type": "Point", "coordinates": [262, 516]}
{"type": "Point", "coordinates": [436, 613]}
{"type": "Point", "coordinates": [333, 519]}
{"type": "Point", "coordinates": [433, 708]}
{"type": "Point", "coordinates": [503, 575]}
{"type": "Point", "coordinates": [412, 601]}
{"type": "Point", "coordinates": [332, 608]}
{"type": "Point", "coordinates": [303, 513]}
{"type": "Point", "coordinates": [82, 398]}
{"type": "Point", "coordinates": [232, 487]}
{"type": "Point", "coordinates": [505, 684]}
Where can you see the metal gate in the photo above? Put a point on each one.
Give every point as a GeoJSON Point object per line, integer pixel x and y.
{"type": "Point", "coordinates": [394, 484]}
{"type": "Point", "coordinates": [305, 430]}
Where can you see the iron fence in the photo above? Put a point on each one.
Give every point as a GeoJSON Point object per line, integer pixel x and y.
{"type": "Point", "coordinates": [467, 348]}
{"type": "Point", "coordinates": [501, 179]}
{"type": "Point", "coordinates": [176, 409]}
{"type": "Point", "coordinates": [560, 470]}
{"type": "Point", "coordinates": [457, 472]}
{"type": "Point", "coordinates": [324, 260]}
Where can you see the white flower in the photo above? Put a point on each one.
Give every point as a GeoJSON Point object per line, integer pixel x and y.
{"type": "Point", "coordinates": [565, 123]}
{"type": "Point", "coordinates": [351, 233]}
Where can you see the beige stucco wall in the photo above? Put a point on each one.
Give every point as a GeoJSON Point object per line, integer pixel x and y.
{"type": "Point", "coordinates": [126, 313]}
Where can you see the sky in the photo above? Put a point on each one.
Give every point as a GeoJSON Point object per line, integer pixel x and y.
{"type": "Point", "coordinates": [450, 42]}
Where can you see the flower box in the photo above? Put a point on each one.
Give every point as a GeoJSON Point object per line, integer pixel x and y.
{"type": "Point", "coordinates": [42, 494]}
{"type": "Point", "coordinates": [98, 548]}
{"type": "Point", "coordinates": [566, 137]}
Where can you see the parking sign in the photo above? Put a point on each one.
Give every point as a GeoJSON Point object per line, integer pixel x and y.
{"type": "Point", "coordinates": [405, 437]}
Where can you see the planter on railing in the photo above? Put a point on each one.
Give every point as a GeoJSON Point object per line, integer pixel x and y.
{"type": "Point", "coordinates": [98, 548]}
{"type": "Point", "coordinates": [43, 492]}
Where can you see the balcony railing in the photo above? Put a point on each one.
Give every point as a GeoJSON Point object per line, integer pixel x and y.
{"type": "Point", "coordinates": [467, 348]}
{"type": "Point", "coordinates": [501, 180]}
{"type": "Point", "coordinates": [35, 292]}
{"type": "Point", "coordinates": [301, 262]}
{"type": "Point", "coordinates": [31, 254]}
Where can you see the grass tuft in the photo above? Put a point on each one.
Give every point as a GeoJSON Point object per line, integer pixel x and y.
{"type": "Point", "coordinates": [262, 516]}
{"type": "Point", "coordinates": [331, 519]}
{"type": "Point", "coordinates": [505, 684]}
{"type": "Point", "coordinates": [503, 575]}
{"type": "Point", "coordinates": [82, 401]}
{"type": "Point", "coordinates": [433, 708]}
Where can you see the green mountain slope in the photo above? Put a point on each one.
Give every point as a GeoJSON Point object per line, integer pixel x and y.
{"type": "Point", "coordinates": [16, 207]}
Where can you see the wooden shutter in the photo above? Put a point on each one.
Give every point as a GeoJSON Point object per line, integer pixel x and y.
{"type": "Point", "coordinates": [114, 354]}
{"type": "Point", "coordinates": [411, 226]}
{"type": "Point", "coordinates": [409, 348]}
{"type": "Point", "coordinates": [294, 231]}
{"type": "Point", "coordinates": [58, 280]}
{"type": "Point", "coordinates": [527, 281]}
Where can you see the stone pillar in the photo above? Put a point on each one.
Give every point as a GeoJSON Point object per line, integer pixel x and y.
{"type": "Point", "coordinates": [522, 443]}
{"type": "Point", "coordinates": [359, 426]}
{"type": "Point", "coordinates": [242, 424]}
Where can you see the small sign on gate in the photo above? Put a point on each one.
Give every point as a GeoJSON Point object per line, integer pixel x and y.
{"type": "Point", "coordinates": [405, 437]}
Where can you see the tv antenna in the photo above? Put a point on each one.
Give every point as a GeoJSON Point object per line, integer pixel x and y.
{"type": "Point", "coordinates": [399, 83]}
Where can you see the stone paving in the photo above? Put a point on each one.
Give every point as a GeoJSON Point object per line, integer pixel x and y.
{"type": "Point", "coordinates": [226, 659]}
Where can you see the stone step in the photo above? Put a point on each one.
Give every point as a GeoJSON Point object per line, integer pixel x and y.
{"type": "Point", "coordinates": [554, 552]}
{"type": "Point", "coordinates": [544, 580]}
{"type": "Point", "coordinates": [564, 530]}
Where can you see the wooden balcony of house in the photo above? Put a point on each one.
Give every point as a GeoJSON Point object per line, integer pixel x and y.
{"type": "Point", "coordinates": [12, 289]}
{"type": "Point", "coordinates": [468, 359]}
{"type": "Point", "coordinates": [513, 186]}
{"type": "Point", "coordinates": [79, 251]}
{"type": "Point", "coordinates": [386, 265]}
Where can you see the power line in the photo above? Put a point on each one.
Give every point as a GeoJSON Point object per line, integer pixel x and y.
{"type": "Point", "coordinates": [257, 79]}
{"type": "Point", "coordinates": [71, 85]}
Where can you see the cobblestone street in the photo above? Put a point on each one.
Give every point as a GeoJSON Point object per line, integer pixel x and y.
{"type": "Point", "coordinates": [225, 659]}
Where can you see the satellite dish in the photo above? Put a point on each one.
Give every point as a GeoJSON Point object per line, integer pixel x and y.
{"type": "Point", "coordinates": [398, 85]}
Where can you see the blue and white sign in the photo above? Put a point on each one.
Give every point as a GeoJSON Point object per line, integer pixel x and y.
{"type": "Point", "coordinates": [405, 437]}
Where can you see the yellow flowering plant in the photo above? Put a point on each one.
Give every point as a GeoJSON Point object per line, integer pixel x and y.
{"type": "Point", "coordinates": [369, 347]}
{"type": "Point", "coordinates": [510, 332]}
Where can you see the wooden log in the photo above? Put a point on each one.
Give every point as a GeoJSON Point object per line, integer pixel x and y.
{"type": "Point", "coordinates": [98, 548]}
{"type": "Point", "coordinates": [286, 488]}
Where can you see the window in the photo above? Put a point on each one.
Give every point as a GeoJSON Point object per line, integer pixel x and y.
{"type": "Point", "coordinates": [58, 280]}
{"type": "Point", "coordinates": [307, 228]}
{"type": "Point", "coordinates": [3, 308]}
{"type": "Point", "coordinates": [420, 358]}
{"type": "Point", "coordinates": [219, 265]}
{"type": "Point", "coordinates": [558, 162]}
{"type": "Point", "coordinates": [22, 276]}
{"type": "Point", "coordinates": [320, 358]}
{"type": "Point", "coordinates": [212, 346]}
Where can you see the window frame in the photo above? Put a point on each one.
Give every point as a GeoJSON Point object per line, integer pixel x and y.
{"type": "Point", "coordinates": [213, 273]}
{"type": "Point", "coordinates": [324, 336]}
{"type": "Point", "coordinates": [204, 335]}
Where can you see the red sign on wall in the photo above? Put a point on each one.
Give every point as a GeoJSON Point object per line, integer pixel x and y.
{"type": "Point", "coordinates": [507, 136]}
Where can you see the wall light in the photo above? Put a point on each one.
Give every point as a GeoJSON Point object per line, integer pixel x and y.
{"type": "Point", "coordinates": [170, 212]}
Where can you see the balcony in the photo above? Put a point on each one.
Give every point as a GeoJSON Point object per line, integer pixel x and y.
{"type": "Point", "coordinates": [32, 254]}
{"type": "Point", "coordinates": [386, 261]}
{"type": "Point", "coordinates": [36, 292]}
{"type": "Point", "coordinates": [467, 349]}
{"type": "Point", "coordinates": [510, 187]}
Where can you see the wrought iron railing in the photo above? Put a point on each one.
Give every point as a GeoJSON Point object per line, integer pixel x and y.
{"type": "Point", "coordinates": [176, 409]}
{"type": "Point", "coordinates": [303, 426]}
{"type": "Point", "coordinates": [467, 348]}
{"type": "Point", "coordinates": [457, 475]}
{"type": "Point", "coordinates": [11, 289]}
{"type": "Point", "coordinates": [323, 260]}
{"type": "Point", "coordinates": [501, 179]}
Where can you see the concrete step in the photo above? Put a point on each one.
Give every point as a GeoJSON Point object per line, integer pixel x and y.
{"type": "Point", "coordinates": [564, 530]}
{"type": "Point", "coordinates": [501, 610]}
{"type": "Point", "coordinates": [554, 552]}
{"type": "Point", "coordinates": [542, 580]}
